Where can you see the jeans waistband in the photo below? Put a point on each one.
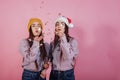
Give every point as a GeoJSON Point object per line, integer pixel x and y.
{"type": "Point", "coordinates": [31, 71]}
{"type": "Point", "coordinates": [58, 71]}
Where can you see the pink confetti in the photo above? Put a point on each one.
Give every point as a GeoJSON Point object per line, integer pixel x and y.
{"type": "Point", "coordinates": [42, 2]}
{"type": "Point", "coordinates": [46, 23]}
{"type": "Point", "coordinates": [59, 14]}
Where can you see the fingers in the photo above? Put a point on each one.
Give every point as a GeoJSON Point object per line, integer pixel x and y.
{"type": "Point", "coordinates": [43, 33]}
{"type": "Point", "coordinates": [38, 38]}
{"type": "Point", "coordinates": [60, 34]}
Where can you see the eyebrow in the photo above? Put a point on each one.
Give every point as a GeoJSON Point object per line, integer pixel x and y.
{"type": "Point", "coordinates": [39, 24]}
{"type": "Point", "coordinates": [62, 22]}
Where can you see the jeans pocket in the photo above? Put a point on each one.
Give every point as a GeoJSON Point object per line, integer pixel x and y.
{"type": "Point", "coordinates": [69, 75]}
{"type": "Point", "coordinates": [26, 76]}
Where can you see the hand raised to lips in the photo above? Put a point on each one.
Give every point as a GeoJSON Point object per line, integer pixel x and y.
{"type": "Point", "coordinates": [38, 38]}
{"type": "Point", "coordinates": [60, 34]}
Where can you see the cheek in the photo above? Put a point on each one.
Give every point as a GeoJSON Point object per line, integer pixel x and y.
{"type": "Point", "coordinates": [63, 29]}
{"type": "Point", "coordinates": [33, 30]}
{"type": "Point", "coordinates": [40, 31]}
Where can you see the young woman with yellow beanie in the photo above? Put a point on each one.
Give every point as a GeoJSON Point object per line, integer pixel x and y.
{"type": "Point", "coordinates": [34, 51]}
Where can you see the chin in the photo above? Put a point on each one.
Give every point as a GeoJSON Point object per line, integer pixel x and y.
{"type": "Point", "coordinates": [36, 35]}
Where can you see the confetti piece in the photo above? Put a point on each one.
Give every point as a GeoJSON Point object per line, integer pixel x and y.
{"type": "Point", "coordinates": [48, 13]}
{"type": "Point", "coordinates": [46, 23]}
{"type": "Point", "coordinates": [59, 14]}
{"type": "Point", "coordinates": [42, 2]}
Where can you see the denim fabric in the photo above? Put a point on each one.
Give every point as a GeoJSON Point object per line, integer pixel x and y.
{"type": "Point", "coordinates": [31, 75]}
{"type": "Point", "coordinates": [62, 75]}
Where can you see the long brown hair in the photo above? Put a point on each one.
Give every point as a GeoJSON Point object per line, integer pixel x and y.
{"type": "Point", "coordinates": [56, 39]}
{"type": "Point", "coordinates": [30, 39]}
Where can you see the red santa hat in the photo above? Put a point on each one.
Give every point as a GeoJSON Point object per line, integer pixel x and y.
{"type": "Point", "coordinates": [67, 21]}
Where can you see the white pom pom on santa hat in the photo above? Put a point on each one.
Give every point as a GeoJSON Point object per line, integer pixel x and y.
{"type": "Point", "coordinates": [67, 21]}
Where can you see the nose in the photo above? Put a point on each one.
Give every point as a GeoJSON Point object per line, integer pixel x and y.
{"type": "Point", "coordinates": [36, 27]}
{"type": "Point", "coordinates": [59, 26]}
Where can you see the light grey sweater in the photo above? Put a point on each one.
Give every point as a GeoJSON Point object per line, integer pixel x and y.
{"type": "Point", "coordinates": [31, 54]}
{"type": "Point", "coordinates": [69, 54]}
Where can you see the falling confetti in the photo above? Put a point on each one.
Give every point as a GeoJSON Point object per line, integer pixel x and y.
{"type": "Point", "coordinates": [48, 29]}
{"type": "Point", "coordinates": [51, 39]}
{"type": "Point", "coordinates": [46, 23]}
{"type": "Point", "coordinates": [48, 13]}
{"type": "Point", "coordinates": [59, 14]}
{"type": "Point", "coordinates": [42, 2]}
{"type": "Point", "coordinates": [48, 33]}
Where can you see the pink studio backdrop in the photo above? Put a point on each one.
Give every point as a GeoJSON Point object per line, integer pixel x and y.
{"type": "Point", "coordinates": [97, 30]}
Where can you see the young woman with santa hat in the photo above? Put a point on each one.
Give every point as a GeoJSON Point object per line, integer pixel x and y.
{"type": "Point", "coordinates": [63, 51]}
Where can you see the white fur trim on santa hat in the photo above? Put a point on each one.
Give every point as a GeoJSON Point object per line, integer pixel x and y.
{"type": "Point", "coordinates": [71, 25]}
{"type": "Point", "coordinates": [65, 20]}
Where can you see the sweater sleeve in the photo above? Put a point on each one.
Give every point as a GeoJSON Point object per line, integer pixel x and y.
{"type": "Point", "coordinates": [29, 54]}
{"type": "Point", "coordinates": [69, 49]}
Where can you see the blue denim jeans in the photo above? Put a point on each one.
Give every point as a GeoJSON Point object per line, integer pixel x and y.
{"type": "Point", "coordinates": [62, 75]}
{"type": "Point", "coordinates": [31, 75]}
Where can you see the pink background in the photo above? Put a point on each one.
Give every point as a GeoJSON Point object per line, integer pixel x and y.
{"type": "Point", "coordinates": [97, 29]}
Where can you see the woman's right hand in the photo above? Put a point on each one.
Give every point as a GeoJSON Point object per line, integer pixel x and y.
{"type": "Point", "coordinates": [38, 38]}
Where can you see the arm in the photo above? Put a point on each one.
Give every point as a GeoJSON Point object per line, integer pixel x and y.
{"type": "Point", "coordinates": [29, 54]}
{"type": "Point", "coordinates": [69, 49]}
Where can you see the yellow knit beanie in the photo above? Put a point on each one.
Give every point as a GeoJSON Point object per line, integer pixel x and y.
{"type": "Point", "coordinates": [34, 20]}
